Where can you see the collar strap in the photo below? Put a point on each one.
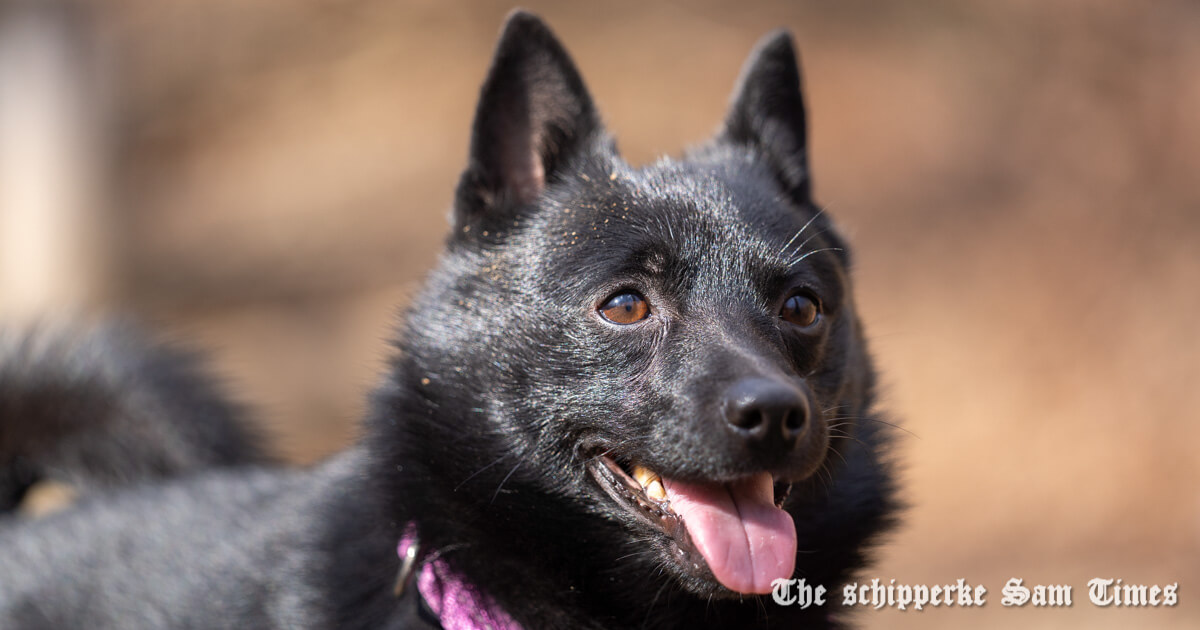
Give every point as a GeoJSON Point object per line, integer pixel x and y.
{"type": "Point", "coordinates": [459, 604]}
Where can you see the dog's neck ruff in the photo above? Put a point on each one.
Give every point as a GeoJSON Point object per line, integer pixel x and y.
{"type": "Point", "coordinates": [458, 604]}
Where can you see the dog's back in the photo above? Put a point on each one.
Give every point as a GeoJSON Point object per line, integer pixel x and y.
{"type": "Point", "coordinates": [162, 556]}
{"type": "Point", "coordinates": [160, 460]}
{"type": "Point", "coordinates": [104, 406]}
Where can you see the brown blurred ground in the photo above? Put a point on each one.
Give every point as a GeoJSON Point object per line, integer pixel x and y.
{"type": "Point", "coordinates": [1018, 179]}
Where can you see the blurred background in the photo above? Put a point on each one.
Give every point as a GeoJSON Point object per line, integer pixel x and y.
{"type": "Point", "coordinates": [270, 180]}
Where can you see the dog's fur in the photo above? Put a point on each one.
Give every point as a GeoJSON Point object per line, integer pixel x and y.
{"type": "Point", "coordinates": [105, 408]}
{"type": "Point", "coordinates": [506, 386]}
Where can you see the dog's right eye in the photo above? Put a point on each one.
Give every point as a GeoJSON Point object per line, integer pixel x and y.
{"type": "Point", "coordinates": [625, 308]}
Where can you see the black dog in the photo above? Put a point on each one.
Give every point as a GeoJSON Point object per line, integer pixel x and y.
{"type": "Point", "coordinates": [627, 397]}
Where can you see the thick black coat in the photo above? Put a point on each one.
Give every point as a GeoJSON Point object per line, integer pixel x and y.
{"type": "Point", "coordinates": [503, 374]}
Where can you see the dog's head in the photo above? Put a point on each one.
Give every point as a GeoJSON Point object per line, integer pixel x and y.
{"type": "Point", "coordinates": [668, 350]}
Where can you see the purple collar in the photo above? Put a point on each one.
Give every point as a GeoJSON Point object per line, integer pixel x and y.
{"type": "Point", "coordinates": [459, 604]}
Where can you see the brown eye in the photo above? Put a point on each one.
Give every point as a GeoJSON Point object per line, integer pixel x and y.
{"type": "Point", "coordinates": [625, 308]}
{"type": "Point", "coordinates": [800, 310]}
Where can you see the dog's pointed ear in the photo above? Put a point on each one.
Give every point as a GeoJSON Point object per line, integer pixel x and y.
{"type": "Point", "coordinates": [534, 114]}
{"type": "Point", "coordinates": [768, 115]}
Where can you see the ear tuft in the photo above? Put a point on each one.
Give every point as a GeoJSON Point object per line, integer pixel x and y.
{"type": "Point", "coordinates": [768, 112]}
{"type": "Point", "coordinates": [534, 114]}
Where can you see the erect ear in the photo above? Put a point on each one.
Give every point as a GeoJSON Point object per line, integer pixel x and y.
{"type": "Point", "coordinates": [768, 112]}
{"type": "Point", "coordinates": [534, 114]}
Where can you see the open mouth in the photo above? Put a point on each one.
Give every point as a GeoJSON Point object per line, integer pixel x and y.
{"type": "Point", "coordinates": [735, 533]}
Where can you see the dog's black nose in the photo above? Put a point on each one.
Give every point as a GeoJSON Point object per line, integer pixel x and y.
{"type": "Point", "coordinates": [766, 414]}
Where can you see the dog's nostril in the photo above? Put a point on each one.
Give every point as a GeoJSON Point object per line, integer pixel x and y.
{"type": "Point", "coordinates": [794, 420]}
{"type": "Point", "coordinates": [748, 419]}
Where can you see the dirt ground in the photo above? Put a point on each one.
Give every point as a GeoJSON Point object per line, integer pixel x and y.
{"type": "Point", "coordinates": [1018, 179]}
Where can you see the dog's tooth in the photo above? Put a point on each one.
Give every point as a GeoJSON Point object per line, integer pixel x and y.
{"type": "Point", "coordinates": [650, 482]}
{"type": "Point", "coordinates": [643, 475]}
{"type": "Point", "coordinates": [655, 490]}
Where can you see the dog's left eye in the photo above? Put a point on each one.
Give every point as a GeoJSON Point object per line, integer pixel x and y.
{"type": "Point", "coordinates": [625, 308]}
{"type": "Point", "coordinates": [800, 310]}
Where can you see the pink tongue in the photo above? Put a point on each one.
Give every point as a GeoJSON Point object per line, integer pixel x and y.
{"type": "Point", "coordinates": [746, 540]}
